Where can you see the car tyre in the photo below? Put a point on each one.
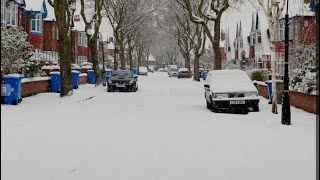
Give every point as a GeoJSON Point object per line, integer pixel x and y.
{"type": "Point", "coordinates": [256, 108]}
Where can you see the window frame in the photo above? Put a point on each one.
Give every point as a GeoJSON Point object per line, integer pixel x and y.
{"type": "Point", "coordinates": [82, 39]}
{"type": "Point", "coordinates": [37, 23]}
{"type": "Point", "coordinates": [11, 14]}
{"type": "Point", "coordinates": [82, 59]}
{"type": "Point", "coordinates": [258, 37]}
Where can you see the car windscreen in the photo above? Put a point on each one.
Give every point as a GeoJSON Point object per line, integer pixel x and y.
{"type": "Point", "coordinates": [174, 70]}
{"type": "Point", "coordinates": [122, 74]}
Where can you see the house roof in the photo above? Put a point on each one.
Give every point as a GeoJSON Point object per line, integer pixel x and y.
{"type": "Point", "coordinates": [50, 10]}
{"type": "Point", "coordinates": [34, 5]}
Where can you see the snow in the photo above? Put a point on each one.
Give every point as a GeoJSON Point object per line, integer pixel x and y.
{"type": "Point", "coordinates": [225, 81]}
{"type": "Point", "coordinates": [163, 131]}
{"type": "Point", "coordinates": [54, 73]}
{"type": "Point", "coordinates": [50, 10]}
{"type": "Point", "coordinates": [74, 71]}
{"type": "Point", "coordinates": [183, 69]}
{"type": "Point", "coordinates": [25, 80]}
{"type": "Point", "coordinates": [83, 74]}
{"type": "Point", "coordinates": [46, 67]}
{"type": "Point", "coordinates": [35, 5]}
{"type": "Point", "coordinates": [143, 69]}
{"type": "Point", "coordinates": [14, 75]}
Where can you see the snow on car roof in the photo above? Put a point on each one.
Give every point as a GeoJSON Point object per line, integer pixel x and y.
{"type": "Point", "coordinates": [224, 81]}
{"type": "Point", "coordinates": [183, 69]}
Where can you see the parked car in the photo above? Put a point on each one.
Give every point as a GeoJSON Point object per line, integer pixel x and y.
{"type": "Point", "coordinates": [230, 89]}
{"type": "Point", "coordinates": [122, 80]}
{"type": "Point", "coordinates": [183, 73]}
{"type": "Point", "coordinates": [151, 70]}
{"type": "Point", "coordinates": [162, 70]}
{"type": "Point", "coordinates": [173, 72]}
{"type": "Point", "coordinates": [143, 71]}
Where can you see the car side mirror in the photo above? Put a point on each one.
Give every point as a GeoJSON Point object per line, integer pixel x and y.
{"type": "Point", "coordinates": [206, 86]}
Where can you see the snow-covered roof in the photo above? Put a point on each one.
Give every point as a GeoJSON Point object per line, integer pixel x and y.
{"type": "Point", "coordinates": [79, 25]}
{"type": "Point", "coordinates": [183, 69]}
{"type": "Point", "coordinates": [34, 5]}
{"type": "Point", "coordinates": [111, 45]}
{"type": "Point", "coordinates": [50, 10]}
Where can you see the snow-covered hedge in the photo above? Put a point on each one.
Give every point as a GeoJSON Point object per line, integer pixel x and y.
{"type": "Point", "coordinates": [15, 49]}
{"type": "Point", "coordinates": [230, 65]}
{"type": "Point", "coordinates": [304, 80]}
{"type": "Point", "coordinates": [258, 74]}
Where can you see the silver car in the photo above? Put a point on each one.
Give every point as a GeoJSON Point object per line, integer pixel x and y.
{"type": "Point", "coordinates": [173, 72]}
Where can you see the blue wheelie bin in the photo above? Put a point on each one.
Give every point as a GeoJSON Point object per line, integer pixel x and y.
{"type": "Point", "coordinates": [269, 85]}
{"type": "Point", "coordinates": [90, 76]}
{"type": "Point", "coordinates": [11, 89]}
{"type": "Point", "coordinates": [204, 75]}
{"type": "Point", "coordinates": [135, 71]}
{"type": "Point", "coordinates": [55, 82]}
{"type": "Point", "coordinates": [108, 73]}
{"type": "Point", "coordinates": [279, 88]}
{"type": "Point", "coordinates": [75, 79]}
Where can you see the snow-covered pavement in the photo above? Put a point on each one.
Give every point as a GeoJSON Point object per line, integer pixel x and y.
{"type": "Point", "coordinates": [161, 132]}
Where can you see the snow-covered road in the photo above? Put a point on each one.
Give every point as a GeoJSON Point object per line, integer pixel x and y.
{"type": "Point", "coordinates": [162, 132]}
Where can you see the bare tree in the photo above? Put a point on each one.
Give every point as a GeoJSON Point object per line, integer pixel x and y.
{"type": "Point", "coordinates": [273, 10]}
{"type": "Point", "coordinates": [92, 20]}
{"type": "Point", "coordinates": [203, 12]}
{"type": "Point", "coordinates": [64, 11]}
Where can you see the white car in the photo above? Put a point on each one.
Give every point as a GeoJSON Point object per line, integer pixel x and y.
{"type": "Point", "coordinates": [173, 72]}
{"type": "Point", "coordinates": [230, 89]}
{"type": "Point", "coordinates": [143, 71]}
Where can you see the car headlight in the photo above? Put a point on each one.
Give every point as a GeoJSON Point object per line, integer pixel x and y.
{"type": "Point", "coordinates": [250, 94]}
{"type": "Point", "coordinates": [222, 95]}
{"type": "Point", "coordinates": [109, 81]}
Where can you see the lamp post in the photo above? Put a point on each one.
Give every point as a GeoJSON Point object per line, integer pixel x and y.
{"type": "Point", "coordinates": [286, 112]}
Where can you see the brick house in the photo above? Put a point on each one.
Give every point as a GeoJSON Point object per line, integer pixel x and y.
{"type": "Point", "coordinates": [302, 31]}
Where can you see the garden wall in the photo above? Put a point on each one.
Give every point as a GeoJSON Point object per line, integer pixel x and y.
{"type": "Point", "coordinates": [30, 87]}
{"type": "Point", "coordinates": [306, 102]}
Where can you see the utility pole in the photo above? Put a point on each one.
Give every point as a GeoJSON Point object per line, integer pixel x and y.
{"type": "Point", "coordinates": [286, 112]}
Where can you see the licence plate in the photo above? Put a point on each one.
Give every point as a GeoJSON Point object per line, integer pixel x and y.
{"type": "Point", "coordinates": [237, 102]}
{"type": "Point", "coordinates": [120, 85]}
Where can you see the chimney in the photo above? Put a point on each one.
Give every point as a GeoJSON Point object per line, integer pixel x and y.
{"type": "Point", "coordinates": [223, 35]}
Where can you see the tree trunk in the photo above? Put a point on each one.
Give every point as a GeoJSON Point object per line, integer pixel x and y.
{"type": "Point", "coordinates": [216, 45]}
{"type": "Point", "coordinates": [130, 50]}
{"type": "Point", "coordinates": [187, 63]}
{"type": "Point", "coordinates": [273, 67]}
{"type": "Point", "coordinates": [122, 55]}
{"type": "Point", "coordinates": [94, 60]}
{"type": "Point", "coordinates": [64, 47]}
{"type": "Point", "coordinates": [115, 60]}
{"type": "Point", "coordinates": [196, 76]}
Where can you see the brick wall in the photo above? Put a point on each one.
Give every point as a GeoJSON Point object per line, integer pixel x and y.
{"type": "Point", "coordinates": [34, 87]}
{"type": "Point", "coordinates": [50, 36]}
{"type": "Point", "coordinates": [31, 88]}
{"type": "Point", "coordinates": [83, 79]}
{"type": "Point", "coordinates": [302, 101]}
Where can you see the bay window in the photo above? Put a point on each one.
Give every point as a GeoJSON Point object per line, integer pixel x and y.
{"type": "Point", "coordinates": [36, 25]}
{"type": "Point", "coordinates": [241, 43]}
{"type": "Point", "coordinates": [11, 13]}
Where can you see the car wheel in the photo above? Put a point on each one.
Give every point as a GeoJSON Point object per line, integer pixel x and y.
{"type": "Point", "coordinates": [256, 108]}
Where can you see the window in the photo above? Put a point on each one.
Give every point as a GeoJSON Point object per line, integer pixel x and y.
{"type": "Point", "coordinates": [259, 37]}
{"type": "Point", "coordinates": [82, 39]}
{"type": "Point", "coordinates": [253, 39]}
{"type": "Point", "coordinates": [3, 5]}
{"type": "Point", "coordinates": [82, 59]}
{"type": "Point", "coordinates": [11, 13]}
{"type": "Point", "coordinates": [36, 23]}
{"type": "Point", "coordinates": [241, 43]}
{"type": "Point", "coordinates": [280, 31]}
